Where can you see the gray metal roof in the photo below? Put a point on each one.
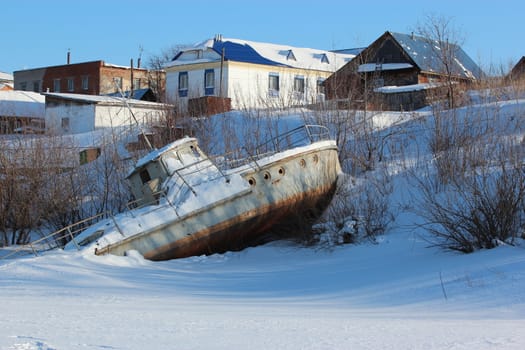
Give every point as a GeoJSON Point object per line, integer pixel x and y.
{"type": "Point", "coordinates": [424, 54]}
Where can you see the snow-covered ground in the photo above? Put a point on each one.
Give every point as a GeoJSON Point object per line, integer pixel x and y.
{"type": "Point", "coordinates": [396, 293]}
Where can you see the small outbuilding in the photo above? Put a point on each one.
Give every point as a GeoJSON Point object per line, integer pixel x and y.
{"type": "Point", "coordinates": [76, 113]}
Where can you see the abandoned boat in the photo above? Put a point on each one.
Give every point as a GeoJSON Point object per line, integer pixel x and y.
{"type": "Point", "coordinates": [191, 204]}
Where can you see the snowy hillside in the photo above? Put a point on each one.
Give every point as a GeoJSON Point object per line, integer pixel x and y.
{"type": "Point", "coordinates": [397, 291]}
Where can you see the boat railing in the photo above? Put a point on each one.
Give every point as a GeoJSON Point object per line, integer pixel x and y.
{"type": "Point", "coordinates": [56, 239]}
{"type": "Point", "coordinates": [300, 136]}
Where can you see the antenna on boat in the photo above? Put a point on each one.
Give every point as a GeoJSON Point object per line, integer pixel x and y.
{"type": "Point", "coordinates": [125, 100]}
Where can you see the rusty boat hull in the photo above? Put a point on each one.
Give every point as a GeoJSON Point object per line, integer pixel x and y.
{"type": "Point", "coordinates": [279, 196]}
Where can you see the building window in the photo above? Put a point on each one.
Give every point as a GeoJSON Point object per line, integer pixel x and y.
{"type": "Point", "coordinates": [23, 86]}
{"type": "Point", "coordinates": [70, 84]}
{"type": "Point", "coordinates": [183, 84]}
{"type": "Point", "coordinates": [273, 84]}
{"type": "Point", "coordinates": [298, 84]}
{"type": "Point", "coordinates": [36, 86]}
{"type": "Point", "coordinates": [378, 82]}
{"type": "Point", "coordinates": [118, 82]}
{"type": "Point", "coordinates": [85, 83]}
{"type": "Point", "coordinates": [65, 124]}
{"type": "Point", "coordinates": [209, 82]}
{"type": "Point", "coordinates": [56, 85]}
{"type": "Point", "coordinates": [136, 83]}
{"type": "Point", "coordinates": [320, 86]}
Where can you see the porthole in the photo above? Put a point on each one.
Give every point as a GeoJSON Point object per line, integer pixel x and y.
{"type": "Point", "coordinates": [302, 163]}
{"type": "Point", "coordinates": [281, 171]}
{"type": "Point", "coordinates": [252, 181]}
{"type": "Point", "coordinates": [316, 159]}
{"type": "Point", "coordinates": [267, 176]}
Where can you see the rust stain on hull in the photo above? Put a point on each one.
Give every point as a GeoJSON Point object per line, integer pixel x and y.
{"type": "Point", "coordinates": [258, 226]}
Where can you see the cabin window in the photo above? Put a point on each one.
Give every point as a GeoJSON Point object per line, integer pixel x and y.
{"type": "Point", "coordinates": [144, 176]}
{"type": "Point", "coordinates": [36, 86]}
{"type": "Point", "coordinates": [298, 84]}
{"type": "Point", "coordinates": [324, 58]}
{"type": "Point", "coordinates": [183, 84]}
{"type": "Point", "coordinates": [273, 84]}
{"type": "Point", "coordinates": [209, 82]}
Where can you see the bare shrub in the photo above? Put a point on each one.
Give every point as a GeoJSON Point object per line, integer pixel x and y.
{"type": "Point", "coordinates": [359, 211]}
{"type": "Point", "coordinates": [478, 211]}
{"type": "Point", "coordinates": [30, 190]}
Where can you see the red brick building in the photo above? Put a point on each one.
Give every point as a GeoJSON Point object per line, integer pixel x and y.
{"type": "Point", "coordinates": [90, 78]}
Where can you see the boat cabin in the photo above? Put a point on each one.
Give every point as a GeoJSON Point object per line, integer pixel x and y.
{"type": "Point", "coordinates": [151, 171]}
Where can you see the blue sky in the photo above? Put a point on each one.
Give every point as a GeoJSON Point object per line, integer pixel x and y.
{"type": "Point", "coordinates": [39, 33]}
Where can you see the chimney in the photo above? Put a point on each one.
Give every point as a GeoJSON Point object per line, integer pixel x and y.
{"type": "Point", "coordinates": [68, 56]}
{"type": "Point", "coordinates": [412, 36]}
{"type": "Point", "coordinates": [138, 63]}
{"type": "Point", "coordinates": [132, 87]}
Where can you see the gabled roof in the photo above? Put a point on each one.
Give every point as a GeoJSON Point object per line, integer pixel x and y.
{"type": "Point", "coordinates": [421, 51]}
{"type": "Point", "coordinates": [266, 54]}
{"type": "Point", "coordinates": [519, 68]}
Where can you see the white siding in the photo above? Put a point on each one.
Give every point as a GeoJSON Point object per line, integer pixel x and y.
{"type": "Point", "coordinates": [88, 117]}
{"type": "Point", "coordinates": [246, 84]}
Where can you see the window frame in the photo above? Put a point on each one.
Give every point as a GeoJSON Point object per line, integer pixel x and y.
{"type": "Point", "coordinates": [320, 88]}
{"type": "Point", "coordinates": [56, 85]}
{"type": "Point", "coordinates": [183, 83]}
{"type": "Point", "coordinates": [299, 85]}
{"type": "Point", "coordinates": [70, 84]}
{"type": "Point", "coordinates": [65, 123]}
{"type": "Point", "coordinates": [273, 84]}
{"type": "Point", "coordinates": [85, 82]}
{"type": "Point", "coordinates": [209, 86]}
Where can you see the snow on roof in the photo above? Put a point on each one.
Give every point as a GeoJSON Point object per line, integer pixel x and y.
{"type": "Point", "coordinates": [269, 54]}
{"type": "Point", "coordinates": [405, 88]}
{"type": "Point", "coordinates": [94, 99]}
{"type": "Point", "coordinates": [6, 76]}
{"type": "Point", "coordinates": [158, 152]}
{"type": "Point", "coordinates": [424, 55]}
{"type": "Point", "coordinates": [372, 67]}
{"type": "Point", "coordinates": [18, 103]}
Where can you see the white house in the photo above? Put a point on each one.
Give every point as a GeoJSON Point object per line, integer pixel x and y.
{"type": "Point", "coordinates": [251, 74]}
{"type": "Point", "coordinates": [76, 113]}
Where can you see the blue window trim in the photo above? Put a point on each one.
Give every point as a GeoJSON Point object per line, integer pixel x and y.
{"type": "Point", "coordinates": [183, 92]}
{"type": "Point", "coordinates": [209, 90]}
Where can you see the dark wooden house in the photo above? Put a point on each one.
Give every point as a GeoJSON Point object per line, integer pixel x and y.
{"type": "Point", "coordinates": [399, 72]}
{"type": "Point", "coordinates": [518, 71]}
